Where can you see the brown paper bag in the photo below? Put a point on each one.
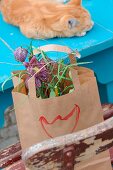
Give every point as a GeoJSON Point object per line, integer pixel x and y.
{"type": "Point", "coordinates": [40, 119]}
{"type": "Point", "coordinates": [83, 104]}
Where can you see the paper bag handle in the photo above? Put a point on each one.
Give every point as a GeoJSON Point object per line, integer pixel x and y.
{"type": "Point", "coordinates": [59, 48]}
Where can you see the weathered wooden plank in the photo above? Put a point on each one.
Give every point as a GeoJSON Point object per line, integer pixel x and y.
{"type": "Point", "coordinates": [111, 155]}
{"type": "Point", "coordinates": [10, 155]}
{"type": "Point", "coordinates": [107, 111]}
{"type": "Point", "coordinates": [17, 166]}
{"type": "Point", "coordinates": [86, 143]}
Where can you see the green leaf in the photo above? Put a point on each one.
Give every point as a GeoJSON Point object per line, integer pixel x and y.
{"type": "Point", "coordinates": [8, 79]}
{"type": "Point", "coordinates": [44, 56]}
{"type": "Point", "coordinates": [70, 74]}
{"type": "Point", "coordinates": [31, 49]}
{"type": "Point", "coordinates": [67, 87]}
{"type": "Point", "coordinates": [52, 93]}
{"type": "Point", "coordinates": [65, 78]}
{"type": "Point", "coordinates": [20, 76]}
{"type": "Point", "coordinates": [71, 90]}
{"type": "Point", "coordinates": [3, 84]}
{"type": "Point", "coordinates": [66, 67]}
{"type": "Point", "coordinates": [81, 63]}
{"type": "Point", "coordinates": [58, 74]}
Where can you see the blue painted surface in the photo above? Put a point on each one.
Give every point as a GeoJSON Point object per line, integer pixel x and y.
{"type": "Point", "coordinates": [5, 101]}
{"type": "Point", "coordinates": [103, 67]}
{"type": "Point", "coordinates": [102, 12]}
{"type": "Point", "coordinates": [95, 46]}
{"type": "Point", "coordinates": [102, 64]}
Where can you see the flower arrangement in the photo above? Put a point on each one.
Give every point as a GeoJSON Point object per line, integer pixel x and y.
{"type": "Point", "coordinates": [52, 78]}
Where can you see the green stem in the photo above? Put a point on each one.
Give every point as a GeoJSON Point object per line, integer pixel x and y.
{"type": "Point", "coordinates": [67, 87]}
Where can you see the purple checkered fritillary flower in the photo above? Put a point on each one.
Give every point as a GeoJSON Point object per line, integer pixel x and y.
{"type": "Point", "coordinates": [39, 69]}
{"type": "Point", "coordinates": [20, 54]}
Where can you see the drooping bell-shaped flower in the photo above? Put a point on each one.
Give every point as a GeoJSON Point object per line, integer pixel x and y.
{"type": "Point", "coordinates": [20, 54]}
{"type": "Point", "coordinates": [38, 70]}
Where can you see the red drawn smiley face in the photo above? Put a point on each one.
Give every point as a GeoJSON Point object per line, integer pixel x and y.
{"type": "Point", "coordinates": [44, 121]}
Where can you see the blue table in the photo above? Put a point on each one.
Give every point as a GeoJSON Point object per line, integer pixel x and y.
{"type": "Point", "coordinates": [96, 46]}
